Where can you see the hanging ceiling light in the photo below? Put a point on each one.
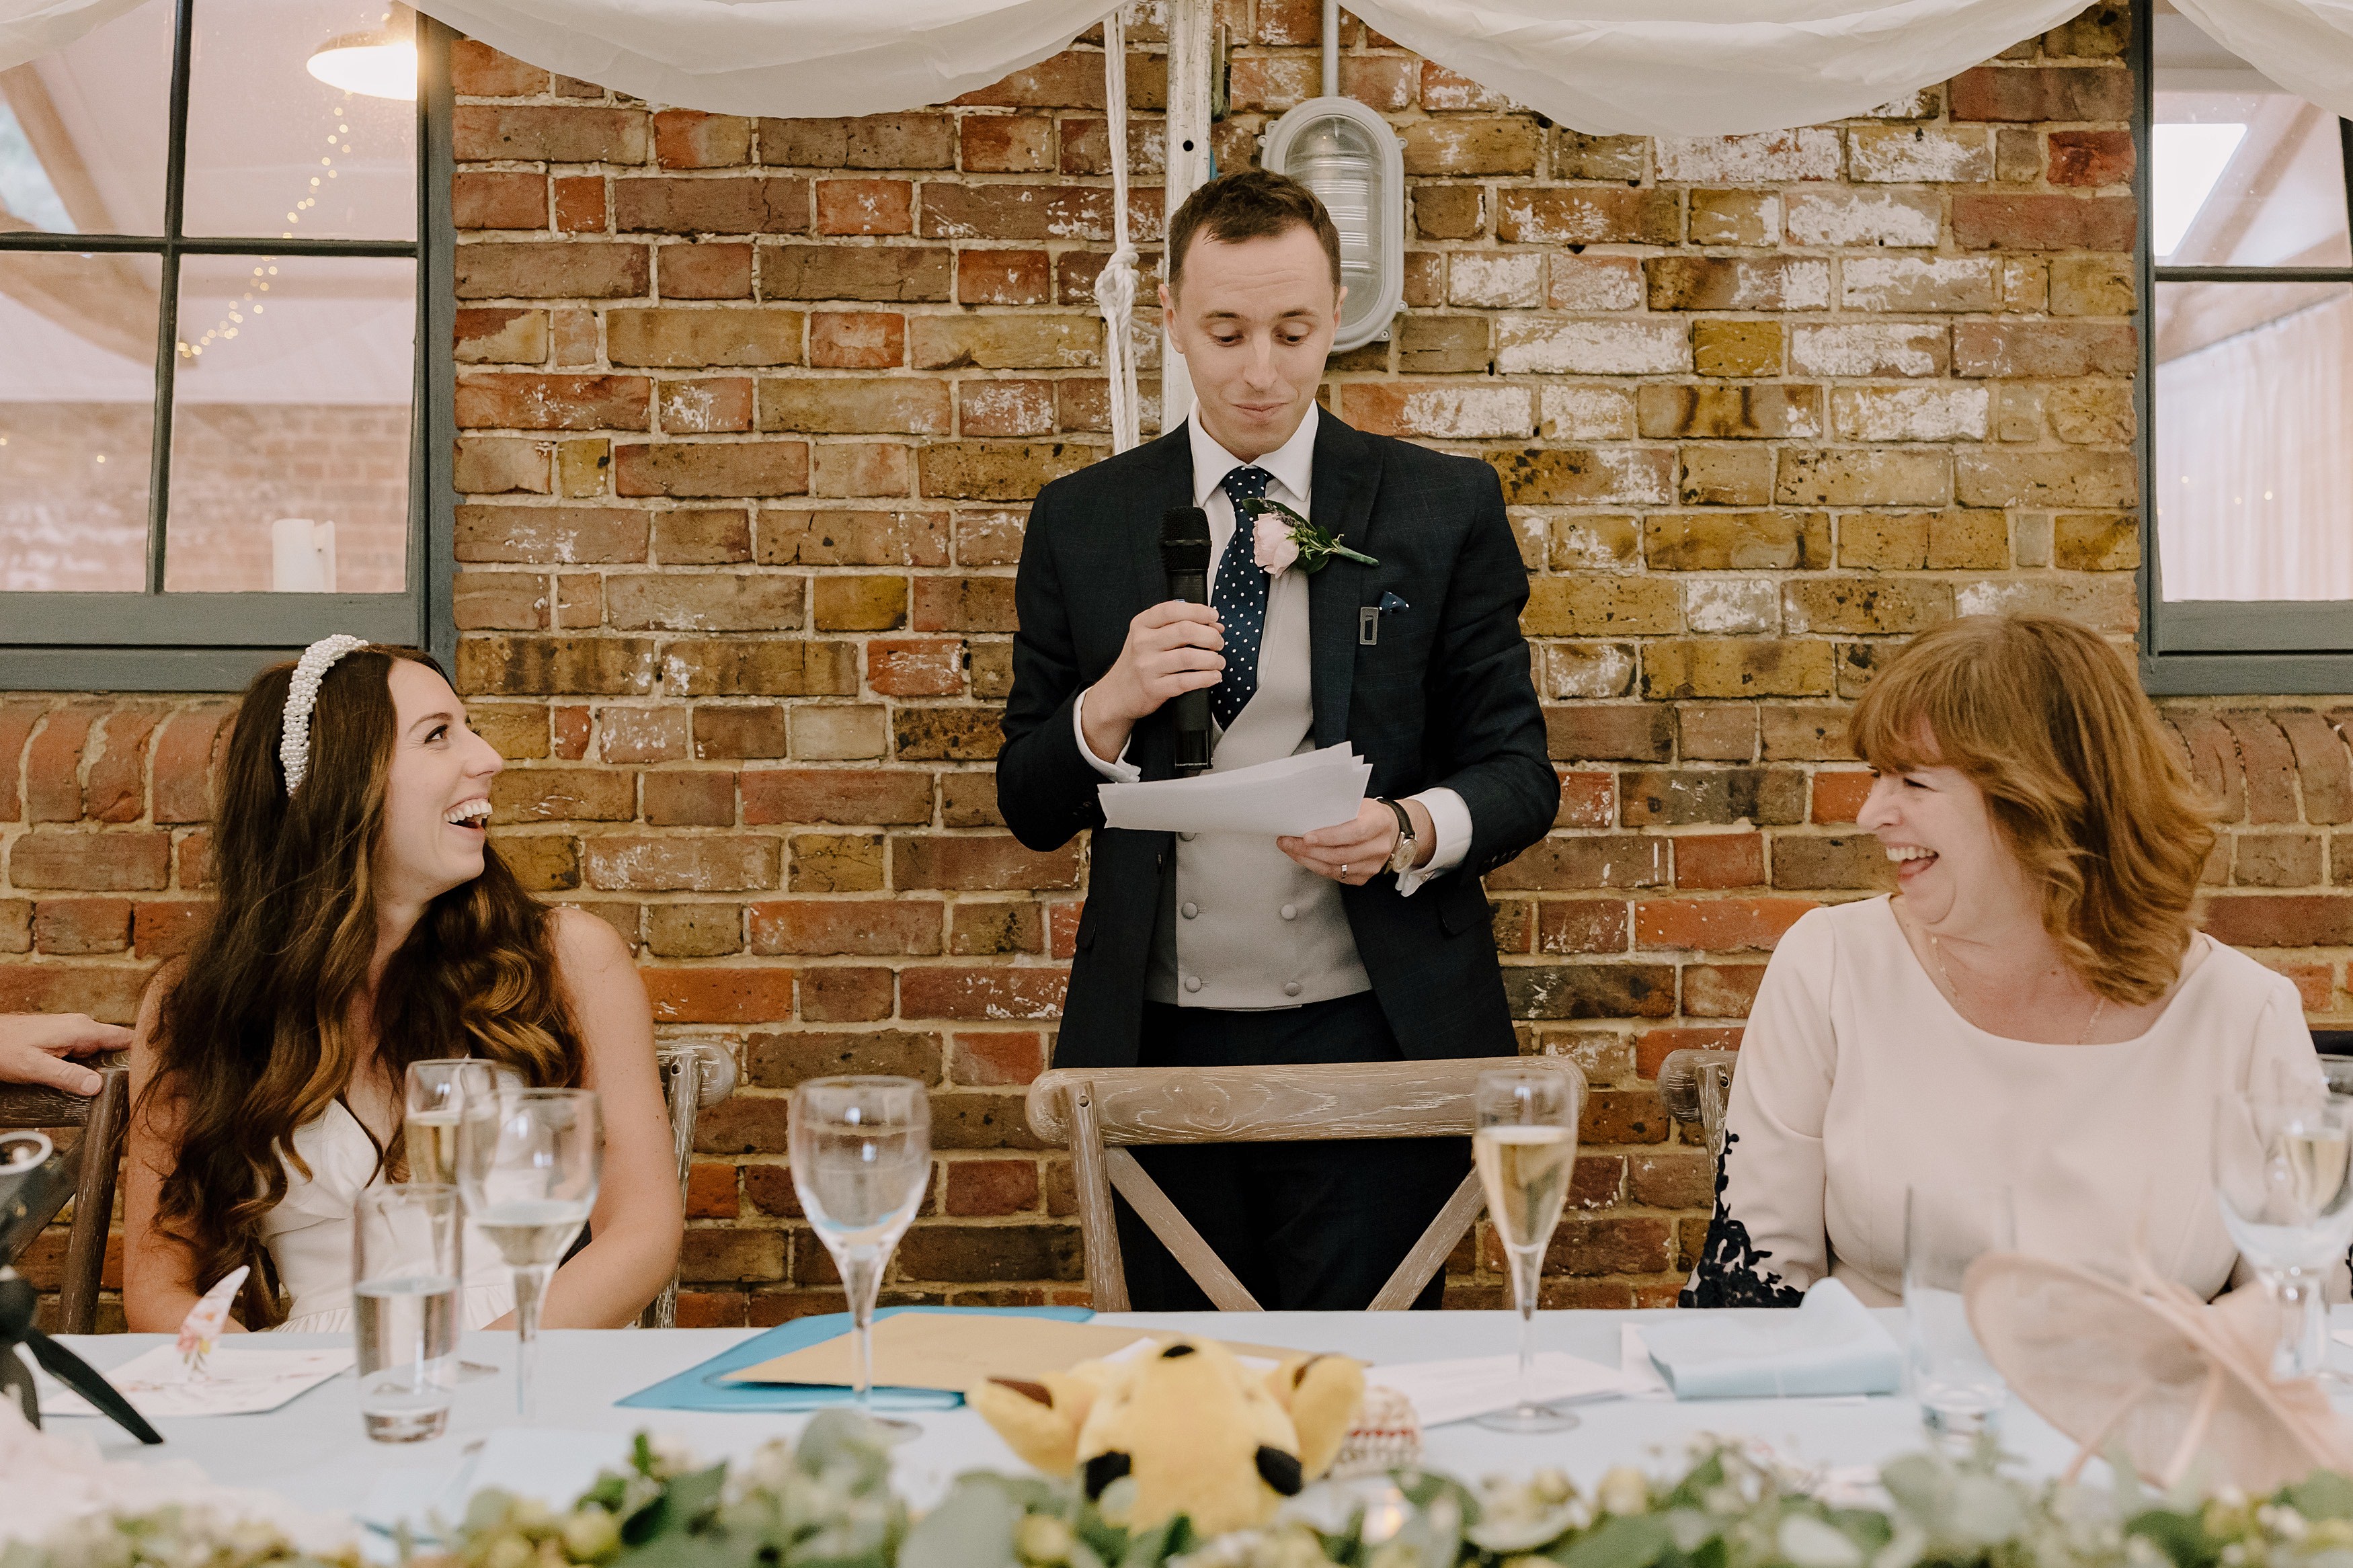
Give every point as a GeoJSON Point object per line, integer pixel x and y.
{"type": "Point", "coordinates": [380, 62]}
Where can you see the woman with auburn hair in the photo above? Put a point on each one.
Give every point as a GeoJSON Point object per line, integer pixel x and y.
{"type": "Point", "coordinates": [363, 922]}
{"type": "Point", "coordinates": [2031, 1009]}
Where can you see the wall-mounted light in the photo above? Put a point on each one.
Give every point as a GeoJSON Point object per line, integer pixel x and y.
{"type": "Point", "coordinates": [379, 63]}
{"type": "Point", "coordinates": [1348, 156]}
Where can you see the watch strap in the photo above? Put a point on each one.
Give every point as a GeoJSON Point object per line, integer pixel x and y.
{"type": "Point", "coordinates": [1401, 856]}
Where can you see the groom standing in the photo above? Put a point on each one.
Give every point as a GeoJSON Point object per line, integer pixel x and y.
{"type": "Point", "coordinates": [1367, 941]}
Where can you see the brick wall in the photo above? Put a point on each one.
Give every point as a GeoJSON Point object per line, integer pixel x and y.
{"type": "Point", "coordinates": [751, 410]}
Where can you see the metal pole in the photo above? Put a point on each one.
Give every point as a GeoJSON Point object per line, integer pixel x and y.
{"type": "Point", "coordinates": [1189, 64]}
{"type": "Point", "coordinates": [1330, 48]}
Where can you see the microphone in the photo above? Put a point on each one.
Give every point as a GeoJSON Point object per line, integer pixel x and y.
{"type": "Point", "coordinates": [1185, 556]}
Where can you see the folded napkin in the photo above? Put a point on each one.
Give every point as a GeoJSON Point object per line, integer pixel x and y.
{"type": "Point", "coordinates": [1830, 1344]}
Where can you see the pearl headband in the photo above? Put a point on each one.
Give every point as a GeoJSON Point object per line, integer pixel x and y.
{"type": "Point", "coordinates": [302, 695]}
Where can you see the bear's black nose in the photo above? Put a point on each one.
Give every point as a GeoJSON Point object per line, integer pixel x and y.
{"type": "Point", "coordinates": [1105, 1468]}
{"type": "Point", "coordinates": [1173, 1351]}
{"type": "Point", "coordinates": [1278, 1470]}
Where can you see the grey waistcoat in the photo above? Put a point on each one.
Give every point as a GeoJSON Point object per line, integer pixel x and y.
{"type": "Point", "coordinates": [1249, 927]}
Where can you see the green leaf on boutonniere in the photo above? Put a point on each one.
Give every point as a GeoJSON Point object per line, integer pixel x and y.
{"type": "Point", "coordinates": [1316, 546]}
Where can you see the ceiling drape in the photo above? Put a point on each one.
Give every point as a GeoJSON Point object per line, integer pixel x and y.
{"type": "Point", "coordinates": [1643, 67]}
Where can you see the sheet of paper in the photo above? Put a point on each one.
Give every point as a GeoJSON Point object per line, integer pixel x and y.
{"type": "Point", "coordinates": [1291, 796]}
{"type": "Point", "coordinates": [1634, 1360]}
{"type": "Point", "coordinates": [933, 1350]}
{"type": "Point", "coordinates": [241, 1381]}
{"type": "Point", "coordinates": [1444, 1391]}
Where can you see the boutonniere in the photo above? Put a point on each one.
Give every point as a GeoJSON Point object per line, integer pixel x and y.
{"type": "Point", "coordinates": [1296, 540]}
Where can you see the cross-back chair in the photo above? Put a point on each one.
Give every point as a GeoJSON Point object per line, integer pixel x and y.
{"type": "Point", "coordinates": [695, 1075]}
{"type": "Point", "coordinates": [1695, 1086]}
{"type": "Point", "coordinates": [92, 1161]}
{"type": "Point", "coordinates": [1099, 1113]}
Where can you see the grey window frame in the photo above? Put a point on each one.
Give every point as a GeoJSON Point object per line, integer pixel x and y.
{"type": "Point", "coordinates": [2215, 647]}
{"type": "Point", "coordinates": [155, 641]}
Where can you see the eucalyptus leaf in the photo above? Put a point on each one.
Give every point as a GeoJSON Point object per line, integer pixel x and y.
{"type": "Point", "coordinates": [972, 1528]}
{"type": "Point", "coordinates": [2323, 1494]}
{"type": "Point", "coordinates": [1622, 1541]}
{"type": "Point", "coordinates": [1810, 1543]}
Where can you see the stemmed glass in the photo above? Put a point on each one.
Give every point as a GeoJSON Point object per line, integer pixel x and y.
{"type": "Point", "coordinates": [436, 1093]}
{"type": "Point", "coordinates": [528, 1162]}
{"type": "Point", "coordinates": [2284, 1181]}
{"type": "Point", "coordinates": [1526, 1151]}
{"type": "Point", "coordinates": [862, 1153]}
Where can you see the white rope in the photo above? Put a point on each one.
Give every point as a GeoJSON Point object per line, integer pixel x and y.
{"type": "Point", "coordinates": [1115, 284]}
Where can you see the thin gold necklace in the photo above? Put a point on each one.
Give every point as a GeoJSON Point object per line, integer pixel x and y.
{"type": "Point", "coordinates": [1937, 950]}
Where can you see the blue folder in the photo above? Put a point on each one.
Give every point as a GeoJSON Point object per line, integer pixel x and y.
{"type": "Point", "coordinates": [702, 1388]}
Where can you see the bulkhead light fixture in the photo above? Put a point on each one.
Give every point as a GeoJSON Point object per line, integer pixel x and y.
{"type": "Point", "coordinates": [1348, 156]}
{"type": "Point", "coordinates": [378, 63]}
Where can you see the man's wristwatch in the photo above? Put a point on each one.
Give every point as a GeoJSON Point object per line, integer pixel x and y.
{"type": "Point", "coordinates": [1408, 846]}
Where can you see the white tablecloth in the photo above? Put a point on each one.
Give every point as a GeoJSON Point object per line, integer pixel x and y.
{"type": "Point", "coordinates": [313, 1451]}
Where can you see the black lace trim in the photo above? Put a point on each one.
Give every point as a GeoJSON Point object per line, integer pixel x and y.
{"type": "Point", "coordinates": [1731, 1271]}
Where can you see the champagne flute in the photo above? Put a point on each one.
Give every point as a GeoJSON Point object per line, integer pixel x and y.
{"type": "Point", "coordinates": [861, 1153]}
{"type": "Point", "coordinates": [436, 1094]}
{"type": "Point", "coordinates": [528, 1162]}
{"type": "Point", "coordinates": [2283, 1177]}
{"type": "Point", "coordinates": [1526, 1151]}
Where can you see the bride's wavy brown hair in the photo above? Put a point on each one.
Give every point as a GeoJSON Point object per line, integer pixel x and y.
{"type": "Point", "coordinates": [259, 1029]}
{"type": "Point", "coordinates": [2046, 718]}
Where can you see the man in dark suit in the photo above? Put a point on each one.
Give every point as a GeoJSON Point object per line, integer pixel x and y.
{"type": "Point", "coordinates": [1367, 941]}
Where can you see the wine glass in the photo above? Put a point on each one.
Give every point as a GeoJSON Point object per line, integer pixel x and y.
{"type": "Point", "coordinates": [1525, 1151]}
{"type": "Point", "coordinates": [862, 1153]}
{"type": "Point", "coordinates": [528, 1162]}
{"type": "Point", "coordinates": [436, 1093]}
{"type": "Point", "coordinates": [2284, 1182]}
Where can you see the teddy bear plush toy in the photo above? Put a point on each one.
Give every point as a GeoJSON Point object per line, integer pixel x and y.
{"type": "Point", "coordinates": [1197, 1432]}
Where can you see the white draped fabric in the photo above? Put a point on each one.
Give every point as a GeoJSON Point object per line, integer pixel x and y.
{"type": "Point", "coordinates": [1686, 67]}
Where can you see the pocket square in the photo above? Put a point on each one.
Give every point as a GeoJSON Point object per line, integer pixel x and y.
{"type": "Point", "coordinates": [1391, 603]}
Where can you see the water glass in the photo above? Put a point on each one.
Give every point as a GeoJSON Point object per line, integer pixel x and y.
{"type": "Point", "coordinates": [407, 1265]}
{"type": "Point", "coordinates": [436, 1093]}
{"type": "Point", "coordinates": [1946, 1229]}
{"type": "Point", "coordinates": [2284, 1183]}
{"type": "Point", "coordinates": [528, 1162]}
{"type": "Point", "coordinates": [861, 1153]}
{"type": "Point", "coordinates": [1525, 1153]}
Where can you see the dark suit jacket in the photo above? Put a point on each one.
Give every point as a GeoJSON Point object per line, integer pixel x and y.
{"type": "Point", "coordinates": [1442, 697]}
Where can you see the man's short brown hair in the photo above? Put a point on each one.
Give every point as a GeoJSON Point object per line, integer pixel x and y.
{"type": "Point", "coordinates": [1249, 204]}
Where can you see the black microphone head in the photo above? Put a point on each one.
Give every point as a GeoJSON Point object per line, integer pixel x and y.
{"type": "Point", "coordinates": [1185, 540]}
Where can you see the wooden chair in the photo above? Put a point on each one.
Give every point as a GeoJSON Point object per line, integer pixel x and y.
{"type": "Point", "coordinates": [1695, 1086]}
{"type": "Point", "coordinates": [93, 1159]}
{"type": "Point", "coordinates": [694, 1074]}
{"type": "Point", "coordinates": [1098, 1113]}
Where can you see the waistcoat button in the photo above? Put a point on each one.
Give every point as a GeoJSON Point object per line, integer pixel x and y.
{"type": "Point", "coordinates": [1192, 983]}
{"type": "Point", "coordinates": [1192, 910]}
{"type": "Point", "coordinates": [1291, 912]}
{"type": "Point", "coordinates": [1291, 988]}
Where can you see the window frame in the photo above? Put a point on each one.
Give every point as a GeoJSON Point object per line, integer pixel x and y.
{"type": "Point", "coordinates": [2217, 647]}
{"type": "Point", "coordinates": [160, 641]}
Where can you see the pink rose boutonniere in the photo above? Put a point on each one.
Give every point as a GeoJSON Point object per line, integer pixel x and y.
{"type": "Point", "coordinates": [1293, 539]}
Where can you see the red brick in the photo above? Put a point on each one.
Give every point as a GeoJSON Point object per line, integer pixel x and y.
{"type": "Point", "coordinates": [107, 992]}
{"type": "Point", "coordinates": [704, 269]}
{"type": "Point", "coordinates": [841, 927]}
{"type": "Point", "coordinates": [865, 206]}
{"type": "Point", "coordinates": [857, 340]}
{"type": "Point", "coordinates": [2214, 760]}
{"type": "Point", "coordinates": [18, 721]}
{"type": "Point", "coordinates": [481, 199]}
{"type": "Point", "coordinates": [165, 928]}
{"type": "Point", "coordinates": [114, 787]}
{"type": "Point", "coordinates": [916, 667]}
{"type": "Point", "coordinates": [746, 205]}
{"type": "Point", "coordinates": [1581, 925]}
{"type": "Point", "coordinates": [1714, 925]}
{"type": "Point", "coordinates": [559, 134]}
{"type": "Point", "coordinates": [527, 269]}
{"type": "Point", "coordinates": [998, 1056]}
{"type": "Point", "coordinates": [1720, 990]}
{"type": "Point", "coordinates": [2041, 93]}
{"type": "Point", "coordinates": [720, 995]}
{"type": "Point", "coordinates": [1015, 212]}
{"type": "Point", "coordinates": [2043, 223]}
{"type": "Point", "coordinates": [836, 995]}
{"type": "Point", "coordinates": [53, 765]}
{"type": "Point", "coordinates": [1613, 860]}
{"type": "Point", "coordinates": [2091, 158]}
{"type": "Point", "coordinates": [699, 798]}
{"type": "Point", "coordinates": [702, 864]}
{"type": "Point", "coordinates": [1586, 799]}
{"type": "Point", "coordinates": [687, 139]}
{"type": "Point", "coordinates": [2320, 760]}
{"type": "Point", "coordinates": [1839, 794]}
{"type": "Point", "coordinates": [981, 990]}
{"type": "Point", "coordinates": [1651, 1046]}
{"type": "Point", "coordinates": [991, 1187]}
{"type": "Point", "coordinates": [730, 469]}
{"type": "Point", "coordinates": [564, 795]}
{"type": "Point", "coordinates": [478, 70]}
{"type": "Point", "coordinates": [993, 862]}
{"type": "Point", "coordinates": [580, 204]}
{"type": "Point", "coordinates": [1719, 859]}
{"type": "Point", "coordinates": [2280, 920]}
{"type": "Point", "coordinates": [1003, 277]}
{"type": "Point", "coordinates": [184, 756]}
{"type": "Point", "coordinates": [519, 401]}
{"type": "Point", "coordinates": [855, 796]}
{"type": "Point", "coordinates": [91, 862]}
{"type": "Point", "coordinates": [76, 926]}
{"type": "Point", "coordinates": [1596, 732]}
{"type": "Point", "coordinates": [2269, 766]}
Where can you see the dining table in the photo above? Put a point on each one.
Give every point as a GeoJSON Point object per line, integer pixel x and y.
{"type": "Point", "coordinates": [314, 1450]}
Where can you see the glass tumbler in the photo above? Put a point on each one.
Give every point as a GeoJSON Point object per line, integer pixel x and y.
{"type": "Point", "coordinates": [407, 1265]}
{"type": "Point", "coordinates": [1946, 1229]}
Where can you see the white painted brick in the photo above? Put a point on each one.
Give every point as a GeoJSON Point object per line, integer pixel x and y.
{"type": "Point", "coordinates": [1466, 413]}
{"type": "Point", "coordinates": [1585, 414]}
{"type": "Point", "coordinates": [1768, 158]}
{"type": "Point", "coordinates": [1536, 346]}
{"type": "Point", "coordinates": [1919, 282]}
{"type": "Point", "coordinates": [1910, 413]}
{"type": "Point", "coordinates": [1732, 605]}
{"type": "Point", "coordinates": [1591, 669]}
{"type": "Point", "coordinates": [1871, 348]}
{"type": "Point", "coordinates": [1878, 154]}
{"type": "Point", "coordinates": [1862, 217]}
{"type": "Point", "coordinates": [1596, 283]}
{"type": "Point", "coordinates": [1495, 280]}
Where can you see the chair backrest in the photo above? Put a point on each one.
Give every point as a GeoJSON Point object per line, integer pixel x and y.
{"type": "Point", "coordinates": [95, 1158]}
{"type": "Point", "coordinates": [1098, 1113]}
{"type": "Point", "coordinates": [694, 1074]}
{"type": "Point", "coordinates": [1696, 1086]}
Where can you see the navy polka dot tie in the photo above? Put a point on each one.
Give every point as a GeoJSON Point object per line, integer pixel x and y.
{"type": "Point", "coordinates": [1239, 598]}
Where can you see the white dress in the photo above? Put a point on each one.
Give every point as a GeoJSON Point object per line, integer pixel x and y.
{"type": "Point", "coordinates": [309, 1234]}
{"type": "Point", "coordinates": [1857, 1080]}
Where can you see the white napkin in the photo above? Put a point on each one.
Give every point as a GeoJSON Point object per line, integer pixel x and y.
{"type": "Point", "coordinates": [1444, 1391]}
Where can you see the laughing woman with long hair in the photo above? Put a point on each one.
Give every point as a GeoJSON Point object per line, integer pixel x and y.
{"type": "Point", "coordinates": [363, 922]}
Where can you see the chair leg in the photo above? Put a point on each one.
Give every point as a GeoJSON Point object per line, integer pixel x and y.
{"type": "Point", "coordinates": [685, 1075]}
{"type": "Point", "coordinates": [1098, 1226]}
{"type": "Point", "coordinates": [101, 1150]}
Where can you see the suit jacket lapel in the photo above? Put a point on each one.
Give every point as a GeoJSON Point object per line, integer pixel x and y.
{"type": "Point", "coordinates": [1170, 485]}
{"type": "Point", "coordinates": [1347, 479]}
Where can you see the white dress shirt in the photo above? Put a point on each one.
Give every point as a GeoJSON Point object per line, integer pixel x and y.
{"type": "Point", "coordinates": [1293, 466]}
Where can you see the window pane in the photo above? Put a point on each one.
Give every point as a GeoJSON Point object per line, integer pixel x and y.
{"type": "Point", "coordinates": [2242, 173]}
{"type": "Point", "coordinates": [2255, 441]}
{"type": "Point", "coordinates": [77, 413]}
{"type": "Point", "coordinates": [275, 151]}
{"type": "Point", "coordinates": [290, 426]}
{"type": "Point", "coordinates": [83, 132]}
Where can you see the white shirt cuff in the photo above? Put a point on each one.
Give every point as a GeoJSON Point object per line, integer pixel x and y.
{"type": "Point", "coordinates": [1124, 772]}
{"type": "Point", "coordinates": [1449, 824]}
